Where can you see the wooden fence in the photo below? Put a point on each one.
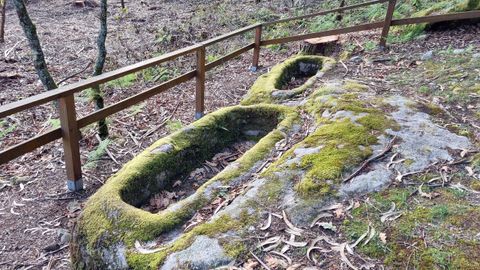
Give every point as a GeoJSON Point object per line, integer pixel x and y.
{"type": "Point", "coordinates": [70, 125]}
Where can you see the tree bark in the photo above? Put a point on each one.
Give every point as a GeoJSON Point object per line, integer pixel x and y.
{"type": "Point", "coordinates": [31, 33]}
{"type": "Point", "coordinates": [98, 69]}
{"type": "Point", "coordinates": [3, 8]}
{"type": "Point", "coordinates": [339, 16]}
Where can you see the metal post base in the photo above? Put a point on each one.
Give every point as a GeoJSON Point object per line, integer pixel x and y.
{"type": "Point", "coordinates": [75, 185]}
{"type": "Point", "coordinates": [253, 69]}
{"type": "Point", "coordinates": [199, 115]}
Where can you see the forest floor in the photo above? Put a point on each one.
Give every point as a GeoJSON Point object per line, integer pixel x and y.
{"type": "Point", "coordinates": [36, 211]}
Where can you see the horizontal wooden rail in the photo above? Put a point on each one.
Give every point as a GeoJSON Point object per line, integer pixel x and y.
{"type": "Point", "coordinates": [467, 15]}
{"type": "Point", "coordinates": [340, 9]}
{"type": "Point", "coordinates": [369, 26]}
{"type": "Point", "coordinates": [114, 108]}
{"type": "Point", "coordinates": [351, 29]}
{"type": "Point", "coordinates": [29, 145]}
{"type": "Point", "coordinates": [51, 95]}
{"type": "Point", "coordinates": [229, 35]}
{"type": "Point", "coordinates": [229, 56]}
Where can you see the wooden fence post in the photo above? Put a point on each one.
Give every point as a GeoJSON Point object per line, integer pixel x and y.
{"type": "Point", "coordinates": [200, 86]}
{"type": "Point", "coordinates": [70, 136]}
{"type": "Point", "coordinates": [256, 49]}
{"type": "Point", "coordinates": [388, 23]}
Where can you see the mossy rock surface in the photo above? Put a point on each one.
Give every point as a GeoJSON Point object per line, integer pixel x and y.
{"type": "Point", "coordinates": [304, 153]}
{"type": "Point", "coordinates": [267, 87]}
{"type": "Point", "coordinates": [112, 221]}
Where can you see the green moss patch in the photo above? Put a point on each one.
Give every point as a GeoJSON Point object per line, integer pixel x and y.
{"type": "Point", "coordinates": [343, 143]}
{"type": "Point", "coordinates": [281, 74]}
{"type": "Point", "coordinates": [431, 234]}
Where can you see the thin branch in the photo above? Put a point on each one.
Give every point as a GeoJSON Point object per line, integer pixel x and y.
{"type": "Point", "coordinates": [75, 74]}
{"type": "Point", "coordinates": [385, 151]}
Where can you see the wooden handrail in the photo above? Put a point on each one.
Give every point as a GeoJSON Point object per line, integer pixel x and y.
{"type": "Point", "coordinates": [467, 15]}
{"type": "Point", "coordinates": [229, 57]}
{"type": "Point", "coordinates": [326, 12]}
{"type": "Point", "coordinates": [29, 145]}
{"type": "Point", "coordinates": [351, 29]}
{"type": "Point", "coordinates": [51, 95]}
{"type": "Point", "coordinates": [229, 35]}
{"type": "Point", "coordinates": [130, 101]}
{"type": "Point", "coordinates": [27, 103]}
{"type": "Point", "coordinates": [70, 126]}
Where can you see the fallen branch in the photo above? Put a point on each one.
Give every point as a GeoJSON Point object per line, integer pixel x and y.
{"type": "Point", "coordinates": [260, 261]}
{"type": "Point", "coordinates": [75, 74]}
{"type": "Point", "coordinates": [108, 151]}
{"type": "Point", "coordinates": [365, 164]}
{"type": "Point", "coordinates": [346, 69]}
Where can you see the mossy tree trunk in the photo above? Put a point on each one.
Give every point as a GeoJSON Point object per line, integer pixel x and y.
{"type": "Point", "coordinates": [100, 63]}
{"type": "Point", "coordinates": [3, 8]}
{"type": "Point", "coordinates": [31, 33]}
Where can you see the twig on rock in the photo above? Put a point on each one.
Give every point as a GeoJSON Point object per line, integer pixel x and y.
{"type": "Point", "coordinates": [385, 151]}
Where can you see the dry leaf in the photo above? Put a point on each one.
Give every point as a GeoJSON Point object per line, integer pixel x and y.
{"type": "Point", "coordinates": [427, 195]}
{"type": "Point", "coordinates": [294, 266]}
{"type": "Point", "coordinates": [341, 248]}
{"type": "Point", "coordinates": [295, 244]}
{"type": "Point", "coordinates": [322, 215]}
{"type": "Point", "coordinates": [145, 250]}
{"type": "Point", "coordinates": [464, 152]}
{"type": "Point", "coordinates": [356, 205]}
{"type": "Point", "coordinates": [339, 213]}
{"type": "Point", "coordinates": [288, 259]}
{"type": "Point", "coordinates": [250, 264]}
{"type": "Point", "coordinates": [327, 226]}
{"type": "Point", "coordinates": [383, 237]}
{"type": "Point", "coordinates": [469, 170]}
{"type": "Point", "coordinates": [275, 263]}
{"type": "Point", "coordinates": [268, 223]}
{"type": "Point", "coordinates": [372, 234]}
{"type": "Point", "coordinates": [390, 214]}
{"type": "Point", "coordinates": [270, 241]}
{"type": "Point", "coordinates": [289, 224]}
{"type": "Point", "coordinates": [360, 238]}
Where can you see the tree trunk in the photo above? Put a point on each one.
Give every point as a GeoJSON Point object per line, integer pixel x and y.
{"type": "Point", "coordinates": [102, 54]}
{"type": "Point", "coordinates": [123, 3]}
{"type": "Point", "coordinates": [339, 16]}
{"type": "Point", "coordinates": [324, 46]}
{"type": "Point", "coordinates": [3, 8]}
{"type": "Point", "coordinates": [31, 33]}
